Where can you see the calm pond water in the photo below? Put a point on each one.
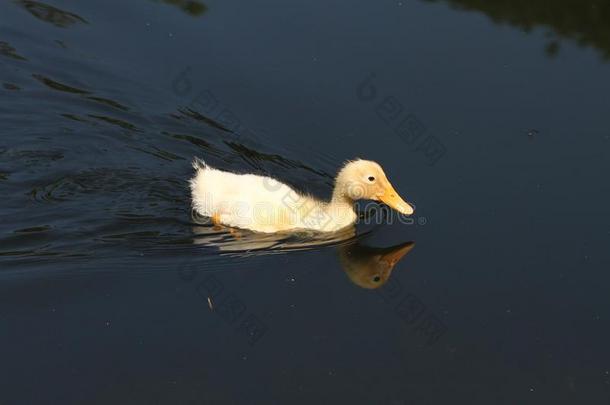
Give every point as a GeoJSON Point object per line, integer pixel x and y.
{"type": "Point", "coordinates": [491, 117]}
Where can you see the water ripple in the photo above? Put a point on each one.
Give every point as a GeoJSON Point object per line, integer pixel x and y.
{"type": "Point", "coordinates": [50, 14]}
{"type": "Point", "coordinates": [7, 50]}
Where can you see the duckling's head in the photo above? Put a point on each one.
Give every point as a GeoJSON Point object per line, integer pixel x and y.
{"type": "Point", "coordinates": [365, 180]}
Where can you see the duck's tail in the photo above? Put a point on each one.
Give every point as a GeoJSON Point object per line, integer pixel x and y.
{"type": "Point", "coordinates": [199, 164]}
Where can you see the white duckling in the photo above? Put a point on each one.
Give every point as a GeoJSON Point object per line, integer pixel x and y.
{"type": "Point", "coordinates": [263, 204]}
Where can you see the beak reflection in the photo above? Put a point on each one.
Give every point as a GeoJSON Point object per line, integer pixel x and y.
{"type": "Point", "coordinates": [370, 267]}
{"type": "Point", "coordinates": [367, 267]}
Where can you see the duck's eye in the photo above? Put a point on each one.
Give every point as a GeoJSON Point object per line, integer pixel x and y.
{"type": "Point", "coordinates": [371, 178]}
{"type": "Point", "coordinates": [376, 279]}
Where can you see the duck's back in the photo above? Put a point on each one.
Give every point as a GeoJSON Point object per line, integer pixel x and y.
{"type": "Point", "coordinates": [246, 201]}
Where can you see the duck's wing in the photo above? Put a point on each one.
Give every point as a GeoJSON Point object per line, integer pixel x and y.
{"type": "Point", "coordinates": [246, 201]}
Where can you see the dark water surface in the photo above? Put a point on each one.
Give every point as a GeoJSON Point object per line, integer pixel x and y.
{"type": "Point", "coordinates": [491, 116]}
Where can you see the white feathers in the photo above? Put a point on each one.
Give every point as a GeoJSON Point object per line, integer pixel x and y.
{"type": "Point", "coordinates": [199, 163]}
{"type": "Point", "coordinates": [261, 203]}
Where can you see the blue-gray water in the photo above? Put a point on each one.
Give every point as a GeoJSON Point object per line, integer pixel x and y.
{"type": "Point", "coordinates": [491, 117]}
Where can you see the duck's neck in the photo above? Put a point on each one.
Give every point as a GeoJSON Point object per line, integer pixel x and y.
{"type": "Point", "coordinates": [340, 196]}
{"type": "Point", "coordinates": [340, 202]}
{"type": "Point", "coordinates": [338, 213]}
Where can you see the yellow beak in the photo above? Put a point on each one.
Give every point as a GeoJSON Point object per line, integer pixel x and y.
{"type": "Point", "coordinates": [393, 200]}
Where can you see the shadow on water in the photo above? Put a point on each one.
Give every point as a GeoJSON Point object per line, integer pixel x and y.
{"type": "Point", "coordinates": [226, 240]}
{"type": "Point", "coordinates": [366, 266]}
{"type": "Point", "coordinates": [585, 22]}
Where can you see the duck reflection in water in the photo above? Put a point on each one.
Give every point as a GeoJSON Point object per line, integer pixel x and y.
{"type": "Point", "coordinates": [370, 267]}
{"type": "Point", "coordinates": [366, 266]}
